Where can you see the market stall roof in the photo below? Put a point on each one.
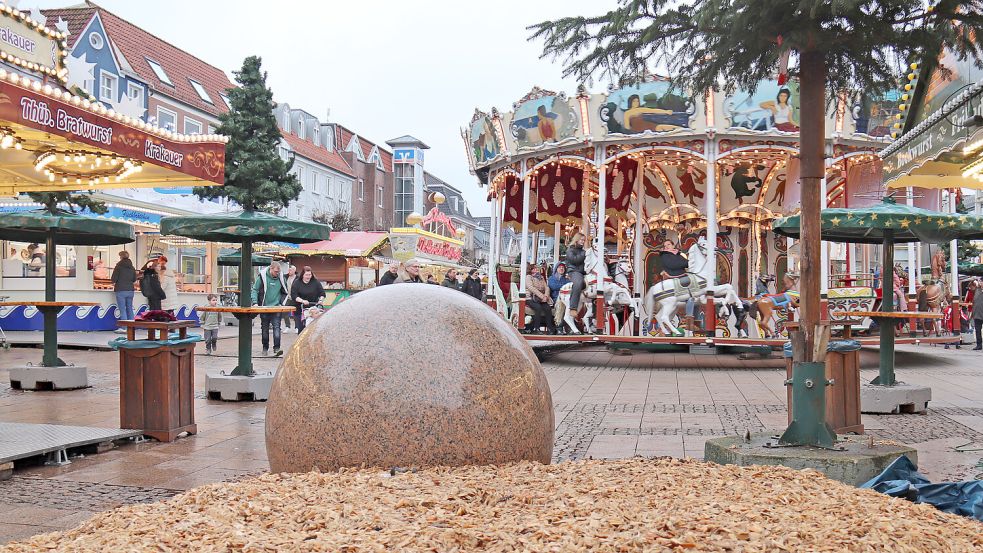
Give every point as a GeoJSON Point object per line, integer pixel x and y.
{"type": "Point", "coordinates": [237, 226]}
{"type": "Point", "coordinates": [343, 244]}
{"type": "Point", "coordinates": [234, 260]}
{"type": "Point", "coordinates": [70, 228]}
{"type": "Point", "coordinates": [52, 140]}
{"type": "Point", "coordinates": [906, 224]}
{"type": "Point", "coordinates": [939, 150]}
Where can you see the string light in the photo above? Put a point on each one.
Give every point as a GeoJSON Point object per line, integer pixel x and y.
{"type": "Point", "coordinates": [93, 167]}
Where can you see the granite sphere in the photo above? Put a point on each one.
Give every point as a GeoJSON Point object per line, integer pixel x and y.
{"type": "Point", "coordinates": [408, 375]}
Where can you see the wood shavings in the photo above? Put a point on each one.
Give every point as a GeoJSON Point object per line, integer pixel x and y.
{"type": "Point", "coordinates": [626, 505]}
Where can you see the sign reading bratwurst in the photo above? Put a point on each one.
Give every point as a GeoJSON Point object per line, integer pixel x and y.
{"type": "Point", "coordinates": [35, 110]}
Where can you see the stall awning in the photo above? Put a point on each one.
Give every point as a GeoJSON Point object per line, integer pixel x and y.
{"type": "Point", "coordinates": [343, 244]}
{"type": "Point", "coordinates": [51, 140]}
{"type": "Point", "coordinates": [937, 152]}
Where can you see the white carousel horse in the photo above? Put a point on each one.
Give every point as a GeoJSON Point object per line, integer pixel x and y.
{"type": "Point", "coordinates": [617, 294]}
{"type": "Point", "coordinates": [666, 296]}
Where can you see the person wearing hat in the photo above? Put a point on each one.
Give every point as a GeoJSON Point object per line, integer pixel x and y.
{"type": "Point", "coordinates": [472, 285]}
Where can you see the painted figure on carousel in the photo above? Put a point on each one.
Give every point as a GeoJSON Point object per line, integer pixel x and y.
{"type": "Point", "coordinates": [640, 118]}
{"type": "Point", "coordinates": [547, 130]}
{"type": "Point", "coordinates": [689, 177]}
{"type": "Point", "coordinates": [745, 181]}
{"type": "Point", "coordinates": [782, 113]}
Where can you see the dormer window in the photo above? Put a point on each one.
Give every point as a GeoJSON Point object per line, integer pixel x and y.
{"type": "Point", "coordinates": [300, 128]}
{"type": "Point", "coordinates": [158, 70]}
{"type": "Point", "coordinates": [315, 134]}
{"type": "Point", "coordinates": [228, 103]}
{"type": "Point", "coordinates": [202, 93]}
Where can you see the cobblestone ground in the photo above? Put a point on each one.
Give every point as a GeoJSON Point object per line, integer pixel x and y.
{"type": "Point", "coordinates": [603, 410]}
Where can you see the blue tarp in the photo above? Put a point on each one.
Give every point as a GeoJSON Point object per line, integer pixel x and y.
{"type": "Point", "coordinates": [173, 339]}
{"type": "Point", "coordinates": [841, 346]}
{"type": "Point", "coordinates": [902, 479]}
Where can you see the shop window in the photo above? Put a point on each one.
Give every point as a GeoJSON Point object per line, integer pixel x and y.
{"type": "Point", "coordinates": [191, 126]}
{"type": "Point", "coordinates": [191, 275]}
{"type": "Point", "coordinates": [25, 260]}
{"type": "Point", "coordinates": [166, 119]}
{"type": "Point", "coordinates": [102, 262]}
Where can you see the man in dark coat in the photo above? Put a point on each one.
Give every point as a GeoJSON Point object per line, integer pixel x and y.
{"type": "Point", "coordinates": [150, 286]}
{"type": "Point", "coordinates": [472, 285]}
{"type": "Point", "coordinates": [390, 275]}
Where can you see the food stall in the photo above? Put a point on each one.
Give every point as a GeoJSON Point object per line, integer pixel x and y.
{"type": "Point", "coordinates": [344, 264]}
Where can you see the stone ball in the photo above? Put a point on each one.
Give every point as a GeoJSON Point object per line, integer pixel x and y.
{"type": "Point", "coordinates": [408, 375]}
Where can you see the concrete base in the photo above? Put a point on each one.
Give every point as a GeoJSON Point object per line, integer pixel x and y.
{"type": "Point", "coordinates": [69, 377]}
{"type": "Point", "coordinates": [856, 464]}
{"type": "Point", "coordinates": [6, 471]}
{"type": "Point", "coordinates": [900, 398]}
{"type": "Point", "coordinates": [701, 349]}
{"type": "Point", "coordinates": [238, 388]}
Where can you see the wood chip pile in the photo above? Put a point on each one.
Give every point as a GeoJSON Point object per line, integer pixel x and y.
{"type": "Point", "coordinates": [627, 505]}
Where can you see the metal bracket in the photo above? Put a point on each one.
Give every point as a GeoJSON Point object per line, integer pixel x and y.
{"type": "Point", "coordinates": [57, 458]}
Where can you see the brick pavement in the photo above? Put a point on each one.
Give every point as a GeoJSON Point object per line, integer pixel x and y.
{"type": "Point", "coordinates": [606, 407]}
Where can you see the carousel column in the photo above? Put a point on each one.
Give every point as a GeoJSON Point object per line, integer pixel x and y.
{"type": "Point", "coordinates": [600, 316]}
{"type": "Point", "coordinates": [954, 276]}
{"type": "Point", "coordinates": [492, 253]}
{"type": "Point", "coordinates": [912, 274]}
{"type": "Point", "coordinates": [638, 272]}
{"type": "Point", "coordinates": [556, 243]}
{"type": "Point", "coordinates": [524, 250]}
{"type": "Point", "coordinates": [824, 263]}
{"type": "Point", "coordinates": [709, 315]}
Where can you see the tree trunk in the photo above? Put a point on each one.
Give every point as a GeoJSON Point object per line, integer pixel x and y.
{"type": "Point", "coordinates": [812, 137]}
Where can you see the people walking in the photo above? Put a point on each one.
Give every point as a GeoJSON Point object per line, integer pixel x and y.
{"type": "Point", "coordinates": [270, 290]}
{"type": "Point", "coordinates": [472, 285]}
{"type": "Point", "coordinates": [391, 274]}
{"type": "Point", "coordinates": [977, 314]}
{"type": "Point", "coordinates": [539, 301]}
{"type": "Point", "coordinates": [576, 256]}
{"type": "Point", "coordinates": [306, 292]}
{"type": "Point", "coordinates": [168, 281]}
{"type": "Point", "coordinates": [150, 285]}
{"type": "Point", "coordinates": [291, 278]}
{"type": "Point", "coordinates": [450, 280]}
{"type": "Point", "coordinates": [209, 324]}
{"type": "Point", "coordinates": [124, 279]}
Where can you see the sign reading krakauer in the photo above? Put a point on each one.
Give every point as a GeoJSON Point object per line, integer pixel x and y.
{"type": "Point", "coordinates": [25, 43]}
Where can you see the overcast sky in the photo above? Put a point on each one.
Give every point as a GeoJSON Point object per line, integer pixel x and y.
{"type": "Point", "coordinates": [383, 68]}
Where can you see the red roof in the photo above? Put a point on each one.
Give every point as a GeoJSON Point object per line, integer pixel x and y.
{"type": "Point", "coordinates": [348, 243]}
{"type": "Point", "coordinates": [317, 154]}
{"type": "Point", "coordinates": [136, 45]}
{"type": "Point", "coordinates": [345, 135]}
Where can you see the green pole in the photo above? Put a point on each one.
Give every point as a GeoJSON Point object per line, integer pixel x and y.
{"type": "Point", "coordinates": [886, 375]}
{"type": "Point", "coordinates": [245, 367]}
{"type": "Point", "coordinates": [50, 357]}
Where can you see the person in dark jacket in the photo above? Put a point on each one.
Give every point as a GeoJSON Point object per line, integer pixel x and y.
{"type": "Point", "coordinates": [124, 278]}
{"type": "Point", "coordinates": [150, 285]}
{"type": "Point", "coordinates": [977, 314]}
{"type": "Point", "coordinates": [674, 263]}
{"type": "Point", "coordinates": [575, 270]}
{"type": "Point", "coordinates": [472, 285]}
{"type": "Point", "coordinates": [306, 292]}
{"type": "Point", "coordinates": [390, 275]}
{"type": "Point", "coordinates": [558, 280]}
{"type": "Point", "coordinates": [450, 280]}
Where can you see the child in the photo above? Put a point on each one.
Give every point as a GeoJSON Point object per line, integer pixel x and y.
{"type": "Point", "coordinates": [209, 323]}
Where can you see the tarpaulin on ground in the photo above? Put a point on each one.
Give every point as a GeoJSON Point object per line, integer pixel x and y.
{"type": "Point", "coordinates": [902, 479]}
{"type": "Point", "coordinates": [173, 339]}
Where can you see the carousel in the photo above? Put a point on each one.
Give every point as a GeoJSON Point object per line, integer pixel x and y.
{"type": "Point", "coordinates": [642, 165]}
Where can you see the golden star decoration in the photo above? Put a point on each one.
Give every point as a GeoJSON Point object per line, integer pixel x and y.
{"type": "Point", "coordinates": [941, 223]}
{"type": "Point", "coordinates": [918, 220]}
{"type": "Point", "coordinates": [904, 222]}
{"type": "Point", "coordinates": [963, 219]}
{"type": "Point", "coordinates": [952, 223]}
{"type": "Point", "coordinates": [835, 221]}
{"type": "Point", "coordinates": [873, 217]}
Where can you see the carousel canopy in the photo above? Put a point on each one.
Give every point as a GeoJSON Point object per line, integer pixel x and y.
{"type": "Point", "coordinates": [899, 223]}
{"type": "Point", "coordinates": [237, 226]}
{"type": "Point", "coordinates": [70, 228]}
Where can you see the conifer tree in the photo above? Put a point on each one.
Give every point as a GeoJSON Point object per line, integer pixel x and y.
{"type": "Point", "coordinates": [73, 201]}
{"type": "Point", "coordinates": [835, 46]}
{"type": "Point", "coordinates": [256, 177]}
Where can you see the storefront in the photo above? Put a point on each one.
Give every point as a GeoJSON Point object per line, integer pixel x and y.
{"type": "Point", "coordinates": [52, 140]}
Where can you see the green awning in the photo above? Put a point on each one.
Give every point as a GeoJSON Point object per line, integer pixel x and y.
{"type": "Point", "coordinates": [70, 228]}
{"type": "Point", "coordinates": [237, 226]}
{"type": "Point", "coordinates": [234, 260]}
{"type": "Point", "coordinates": [905, 223]}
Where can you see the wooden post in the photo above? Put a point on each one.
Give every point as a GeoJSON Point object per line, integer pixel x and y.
{"type": "Point", "coordinates": [812, 136]}
{"type": "Point", "coordinates": [709, 317]}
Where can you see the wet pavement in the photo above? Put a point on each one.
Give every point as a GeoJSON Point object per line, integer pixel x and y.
{"type": "Point", "coordinates": [607, 406]}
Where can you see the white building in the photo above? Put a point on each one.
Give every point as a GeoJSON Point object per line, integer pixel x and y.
{"type": "Point", "coordinates": [326, 176]}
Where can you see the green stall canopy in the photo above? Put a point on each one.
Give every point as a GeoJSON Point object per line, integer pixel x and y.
{"type": "Point", "coordinates": [69, 228]}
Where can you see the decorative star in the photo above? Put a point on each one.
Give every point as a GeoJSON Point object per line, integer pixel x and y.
{"type": "Point", "coordinates": [80, 70]}
{"type": "Point", "coordinates": [952, 223]}
{"type": "Point", "coordinates": [37, 16]}
{"type": "Point", "coordinates": [873, 216]}
{"type": "Point", "coordinates": [62, 26]}
{"type": "Point", "coordinates": [941, 223]}
{"type": "Point", "coordinates": [835, 221]}
{"type": "Point", "coordinates": [918, 220]}
{"type": "Point", "coordinates": [963, 219]}
{"type": "Point", "coordinates": [904, 222]}
{"type": "Point", "coordinates": [860, 221]}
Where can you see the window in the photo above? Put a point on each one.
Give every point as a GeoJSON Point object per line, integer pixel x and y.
{"type": "Point", "coordinates": [159, 71]}
{"type": "Point", "coordinates": [166, 119]}
{"type": "Point", "coordinates": [96, 41]}
{"type": "Point", "coordinates": [314, 187]}
{"type": "Point", "coordinates": [361, 190]}
{"type": "Point", "coordinates": [22, 259]}
{"type": "Point", "coordinates": [226, 100]}
{"type": "Point", "coordinates": [202, 93]}
{"type": "Point", "coordinates": [211, 129]}
{"type": "Point", "coordinates": [315, 134]}
{"type": "Point", "coordinates": [300, 128]}
{"type": "Point", "coordinates": [191, 126]}
{"type": "Point", "coordinates": [300, 174]}
{"type": "Point", "coordinates": [378, 193]}
{"type": "Point", "coordinates": [134, 91]}
{"type": "Point", "coordinates": [404, 180]}
{"type": "Point", "coordinates": [107, 87]}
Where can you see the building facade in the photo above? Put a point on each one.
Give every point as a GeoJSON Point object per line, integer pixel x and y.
{"type": "Point", "coordinates": [326, 177]}
{"type": "Point", "coordinates": [408, 175]}
{"type": "Point", "coordinates": [372, 191]}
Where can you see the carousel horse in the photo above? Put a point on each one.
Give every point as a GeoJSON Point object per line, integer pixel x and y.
{"type": "Point", "coordinates": [665, 296]}
{"type": "Point", "coordinates": [763, 310]}
{"type": "Point", "coordinates": [617, 294]}
{"type": "Point", "coordinates": [931, 298]}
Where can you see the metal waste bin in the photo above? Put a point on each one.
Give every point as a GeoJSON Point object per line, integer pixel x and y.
{"type": "Point", "coordinates": [843, 397]}
{"type": "Point", "coordinates": [156, 378]}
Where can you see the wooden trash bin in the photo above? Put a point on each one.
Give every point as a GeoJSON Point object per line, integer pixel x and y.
{"type": "Point", "coordinates": [156, 379]}
{"type": "Point", "coordinates": [843, 397]}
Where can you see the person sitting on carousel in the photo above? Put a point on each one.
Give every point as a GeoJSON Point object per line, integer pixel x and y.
{"type": "Point", "coordinates": [674, 265]}
{"type": "Point", "coordinates": [899, 297]}
{"type": "Point", "coordinates": [761, 286]}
